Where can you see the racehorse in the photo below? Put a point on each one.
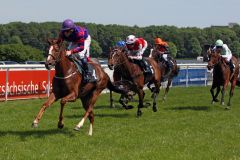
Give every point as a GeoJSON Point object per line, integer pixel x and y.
{"type": "Point", "coordinates": [133, 76]}
{"type": "Point", "coordinates": [222, 75]}
{"type": "Point", "coordinates": [163, 67]}
{"type": "Point", "coordinates": [68, 85]}
{"type": "Point", "coordinates": [119, 81]}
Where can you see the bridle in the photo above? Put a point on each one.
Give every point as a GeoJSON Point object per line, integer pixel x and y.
{"type": "Point", "coordinates": [218, 60]}
{"type": "Point", "coordinates": [57, 59]}
{"type": "Point", "coordinates": [115, 52]}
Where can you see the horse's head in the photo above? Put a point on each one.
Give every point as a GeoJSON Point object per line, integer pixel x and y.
{"type": "Point", "coordinates": [155, 53]}
{"type": "Point", "coordinates": [115, 57]}
{"type": "Point", "coordinates": [54, 53]}
{"type": "Point", "coordinates": [213, 59]}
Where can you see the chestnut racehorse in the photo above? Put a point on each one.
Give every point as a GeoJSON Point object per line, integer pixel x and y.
{"type": "Point", "coordinates": [134, 77]}
{"type": "Point", "coordinates": [68, 85]}
{"type": "Point", "coordinates": [222, 75]}
{"type": "Point", "coordinates": [165, 76]}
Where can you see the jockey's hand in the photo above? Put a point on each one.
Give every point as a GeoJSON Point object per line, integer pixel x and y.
{"type": "Point", "coordinates": [68, 53]}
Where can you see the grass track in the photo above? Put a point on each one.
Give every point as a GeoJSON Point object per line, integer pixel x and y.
{"type": "Point", "coordinates": [186, 126]}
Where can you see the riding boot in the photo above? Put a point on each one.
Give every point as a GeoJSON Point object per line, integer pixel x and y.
{"type": "Point", "coordinates": [87, 74]}
{"type": "Point", "coordinates": [146, 67]}
{"type": "Point", "coordinates": [169, 67]}
{"type": "Point", "coordinates": [231, 66]}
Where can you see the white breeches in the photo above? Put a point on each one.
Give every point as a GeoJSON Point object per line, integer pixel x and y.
{"type": "Point", "coordinates": [227, 57]}
{"type": "Point", "coordinates": [165, 57]}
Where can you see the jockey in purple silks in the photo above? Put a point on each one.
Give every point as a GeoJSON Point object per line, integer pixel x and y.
{"type": "Point", "coordinates": [79, 44]}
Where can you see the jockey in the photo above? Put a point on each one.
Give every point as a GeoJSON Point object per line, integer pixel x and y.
{"type": "Point", "coordinates": [225, 53]}
{"type": "Point", "coordinates": [163, 48]}
{"type": "Point", "coordinates": [135, 49]}
{"type": "Point", "coordinates": [121, 44]}
{"type": "Point", "coordinates": [79, 44]}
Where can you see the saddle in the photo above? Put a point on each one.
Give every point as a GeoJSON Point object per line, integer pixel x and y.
{"type": "Point", "coordinates": [91, 69]}
{"type": "Point", "coordinates": [144, 65]}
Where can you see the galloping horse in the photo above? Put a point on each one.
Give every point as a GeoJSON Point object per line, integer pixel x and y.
{"type": "Point", "coordinates": [163, 67]}
{"type": "Point", "coordinates": [68, 85]}
{"type": "Point", "coordinates": [133, 76]}
{"type": "Point", "coordinates": [222, 75]}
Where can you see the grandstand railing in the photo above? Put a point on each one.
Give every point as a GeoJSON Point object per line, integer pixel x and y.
{"type": "Point", "coordinates": [36, 67]}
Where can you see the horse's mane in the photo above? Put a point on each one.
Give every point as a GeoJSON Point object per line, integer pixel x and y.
{"type": "Point", "coordinates": [235, 55]}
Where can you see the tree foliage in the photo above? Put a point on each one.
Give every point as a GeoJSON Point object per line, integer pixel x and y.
{"type": "Point", "coordinates": [184, 42]}
{"type": "Point", "coordinates": [19, 53]}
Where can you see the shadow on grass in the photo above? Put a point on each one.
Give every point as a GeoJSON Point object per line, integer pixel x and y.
{"type": "Point", "coordinates": [37, 133]}
{"type": "Point", "coordinates": [100, 115]}
{"type": "Point", "coordinates": [194, 108]}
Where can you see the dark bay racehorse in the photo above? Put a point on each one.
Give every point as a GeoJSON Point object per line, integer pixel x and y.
{"type": "Point", "coordinates": [166, 76]}
{"type": "Point", "coordinates": [134, 77]}
{"type": "Point", "coordinates": [222, 75]}
{"type": "Point", "coordinates": [68, 85]}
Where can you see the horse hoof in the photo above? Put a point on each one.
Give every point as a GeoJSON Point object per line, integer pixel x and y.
{"type": "Point", "coordinates": [129, 107]}
{"type": "Point", "coordinates": [60, 125]}
{"type": "Point", "coordinates": [139, 113]}
{"type": "Point", "coordinates": [227, 108]}
{"type": "Point", "coordinates": [222, 103]}
{"type": "Point", "coordinates": [154, 109]}
{"type": "Point", "coordinates": [77, 128]}
{"type": "Point", "coordinates": [34, 125]}
{"type": "Point", "coordinates": [212, 102]}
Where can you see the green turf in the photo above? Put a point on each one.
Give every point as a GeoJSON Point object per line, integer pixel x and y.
{"type": "Point", "coordinates": [186, 126]}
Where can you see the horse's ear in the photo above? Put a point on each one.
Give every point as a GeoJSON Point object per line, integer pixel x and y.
{"type": "Point", "coordinates": [150, 45]}
{"type": "Point", "coordinates": [50, 41]}
{"type": "Point", "coordinates": [59, 41]}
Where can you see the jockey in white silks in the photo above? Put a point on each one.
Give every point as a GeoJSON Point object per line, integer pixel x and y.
{"type": "Point", "coordinates": [225, 53]}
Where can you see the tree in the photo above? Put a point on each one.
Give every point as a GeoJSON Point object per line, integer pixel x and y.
{"type": "Point", "coordinates": [194, 48]}
{"type": "Point", "coordinates": [172, 49]}
{"type": "Point", "coordinates": [19, 53]}
{"type": "Point", "coordinates": [95, 50]}
{"type": "Point", "coordinates": [15, 40]}
{"type": "Point", "coordinates": [235, 48]}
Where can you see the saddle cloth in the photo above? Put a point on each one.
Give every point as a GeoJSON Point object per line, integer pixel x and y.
{"type": "Point", "coordinates": [91, 69]}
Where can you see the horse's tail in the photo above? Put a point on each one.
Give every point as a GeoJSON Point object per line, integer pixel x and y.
{"type": "Point", "coordinates": [176, 71]}
{"type": "Point", "coordinates": [116, 89]}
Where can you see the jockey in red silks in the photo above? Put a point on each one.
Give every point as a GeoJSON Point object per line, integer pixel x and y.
{"type": "Point", "coordinates": [135, 49]}
{"type": "Point", "coordinates": [79, 44]}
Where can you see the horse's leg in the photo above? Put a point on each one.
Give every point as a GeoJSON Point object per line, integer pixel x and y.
{"type": "Point", "coordinates": [223, 92]}
{"type": "Point", "coordinates": [50, 100]}
{"type": "Point", "coordinates": [91, 119]}
{"type": "Point", "coordinates": [60, 121]}
{"type": "Point", "coordinates": [111, 100]}
{"type": "Point", "coordinates": [123, 101]}
{"type": "Point", "coordinates": [216, 95]}
{"type": "Point", "coordinates": [69, 98]}
{"type": "Point", "coordinates": [88, 104]}
{"type": "Point", "coordinates": [155, 94]}
{"type": "Point", "coordinates": [212, 92]}
{"type": "Point", "coordinates": [167, 88]}
{"type": "Point", "coordinates": [231, 92]}
{"type": "Point", "coordinates": [151, 89]}
{"type": "Point", "coordinates": [140, 102]}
